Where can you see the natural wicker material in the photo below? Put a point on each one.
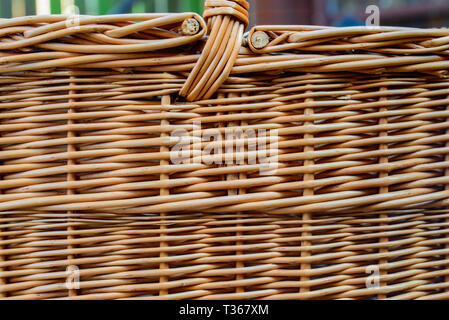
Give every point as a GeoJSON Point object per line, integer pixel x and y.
{"type": "Point", "coordinates": [88, 179]}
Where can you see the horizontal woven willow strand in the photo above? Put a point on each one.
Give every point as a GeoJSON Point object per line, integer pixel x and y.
{"type": "Point", "coordinates": [88, 177]}
{"type": "Point", "coordinates": [119, 255]}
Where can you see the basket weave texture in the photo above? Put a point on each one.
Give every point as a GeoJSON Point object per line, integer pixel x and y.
{"type": "Point", "coordinates": [170, 156]}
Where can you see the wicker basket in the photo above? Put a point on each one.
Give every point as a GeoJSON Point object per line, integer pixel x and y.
{"type": "Point", "coordinates": [163, 156]}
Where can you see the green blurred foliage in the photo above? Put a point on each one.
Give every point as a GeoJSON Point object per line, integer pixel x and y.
{"type": "Point", "coordinates": [12, 8]}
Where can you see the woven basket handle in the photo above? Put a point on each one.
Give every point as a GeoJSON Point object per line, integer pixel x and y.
{"type": "Point", "coordinates": [226, 21]}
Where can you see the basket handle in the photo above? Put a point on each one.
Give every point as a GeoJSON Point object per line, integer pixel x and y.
{"type": "Point", "coordinates": [226, 21]}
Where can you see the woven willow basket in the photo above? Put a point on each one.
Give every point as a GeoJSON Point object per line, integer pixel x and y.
{"type": "Point", "coordinates": [117, 170]}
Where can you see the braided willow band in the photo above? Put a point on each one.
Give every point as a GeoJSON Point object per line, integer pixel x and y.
{"type": "Point", "coordinates": [227, 21]}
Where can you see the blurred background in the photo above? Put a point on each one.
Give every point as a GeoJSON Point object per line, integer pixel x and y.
{"type": "Point", "coordinates": [412, 13]}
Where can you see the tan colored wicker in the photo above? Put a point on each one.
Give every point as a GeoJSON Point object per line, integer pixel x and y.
{"type": "Point", "coordinates": [330, 159]}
